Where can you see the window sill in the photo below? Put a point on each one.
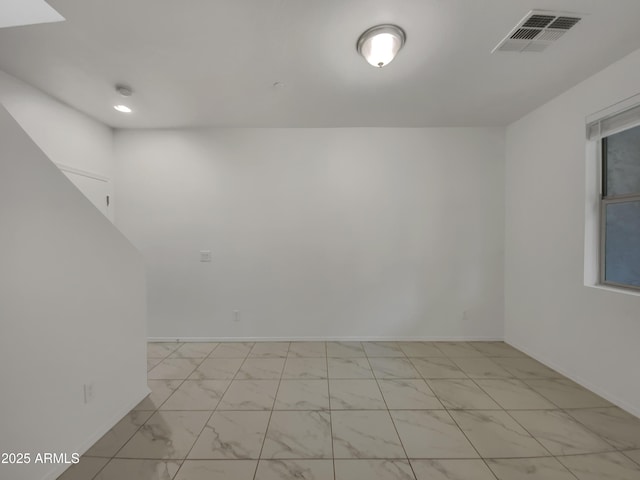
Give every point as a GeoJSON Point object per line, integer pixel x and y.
{"type": "Point", "coordinates": [610, 288]}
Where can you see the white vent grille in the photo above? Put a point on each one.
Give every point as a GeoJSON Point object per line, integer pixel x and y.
{"type": "Point", "coordinates": [536, 31]}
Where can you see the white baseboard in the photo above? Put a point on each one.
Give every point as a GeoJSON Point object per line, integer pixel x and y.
{"type": "Point", "coordinates": [328, 339]}
{"type": "Point", "coordinates": [87, 444]}
{"type": "Point", "coordinates": [579, 380]}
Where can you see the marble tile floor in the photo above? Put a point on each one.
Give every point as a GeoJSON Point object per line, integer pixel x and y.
{"type": "Point", "coordinates": [362, 411]}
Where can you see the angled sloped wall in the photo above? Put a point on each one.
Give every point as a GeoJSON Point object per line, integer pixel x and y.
{"type": "Point", "coordinates": [72, 311]}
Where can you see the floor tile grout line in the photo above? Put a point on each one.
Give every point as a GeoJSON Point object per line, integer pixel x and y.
{"type": "Point", "coordinates": [557, 457]}
{"type": "Point", "coordinates": [179, 344]}
{"type": "Point", "coordinates": [466, 376]}
{"type": "Point", "coordinates": [333, 453]}
{"type": "Point", "coordinates": [622, 449]}
{"type": "Point", "coordinates": [202, 429]}
{"type": "Point", "coordinates": [527, 380]}
{"type": "Point", "coordinates": [532, 436]}
{"type": "Point", "coordinates": [586, 454]}
{"type": "Point", "coordinates": [196, 356]}
{"type": "Point", "coordinates": [421, 377]}
{"type": "Point", "coordinates": [500, 407]}
{"type": "Point", "coordinates": [260, 359]}
{"type": "Point", "coordinates": [182, 382]}
{"type": "Point", "coordinates": [408, 460]}
{"type": "Point", "coordinates": [566, 468]}
{"type": "Point", "coordinates": [299, 377]}
{"type": "Point", "coordinates": [433, 344]}
{"type": "Point", "coordinates": [475, 380]}
{"type": "Point", "coordinates": [508, 412]}
{"type": "Point", "coordinates": [539, 393]}
{"type": "Point", "coordinates": [395, 427]}
{"type": "Point", "coordinates": [114, 456]}
{"type": "Point", "coordinates": [434, 395]}
{"type": "Point", "coordinates": [212, 412]}
{"type": "Point", "coordinates": [101, 469]}
{"type": "Point", "coordinates": [465, 434]}
{"type": "Point", "coordinates": [227, 343]}
{"type": "Point", "coordinates": [364, 458]}
{"type": "Point", "coordinates": [386, 378]}
{"type": "Point", "coordinates": [472, 445]}
{"type": "Point", "coordinates": [509, 375]}
{"type": "Point", "coordinates": [183, 379]}
{"type": "Point", "coordinates": [167, 399]}
{"type": "Point", "coordinates": [157, 410]}
{"type": "Point", "coordinates": [522, 426]}
{"type": "Point", "coordinates": [564, 410]}
{"type": "Point", "coordinates": [266, 431]}
{"type": "Point", "coordinates": [404, 355]}
{"type": "Point", "coordinates": [132, 435]}
{"type": "Point", "coordinates": [526, 430]}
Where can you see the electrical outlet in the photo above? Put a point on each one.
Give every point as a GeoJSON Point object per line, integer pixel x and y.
{"type": "Point", "coordinates": [236, 315]}
{"type": "Point", "coordinates": [88, 392]}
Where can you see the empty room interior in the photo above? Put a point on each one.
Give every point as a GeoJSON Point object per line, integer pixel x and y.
{"type": "Point", "coordinates": [320, 240]}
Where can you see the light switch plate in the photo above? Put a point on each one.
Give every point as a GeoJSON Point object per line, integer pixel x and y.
{"type": "Point", "coordinates": [205, 255]}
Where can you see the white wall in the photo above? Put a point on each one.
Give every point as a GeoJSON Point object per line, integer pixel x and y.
{"type": "Point", "coordinates": [321, 233]}
{"type": "Point", "coordinates": [587, 333]}
{"type": "Point", "coordinates": [65, 135]}
{"type": "Point", "coordinates": [72, 311]}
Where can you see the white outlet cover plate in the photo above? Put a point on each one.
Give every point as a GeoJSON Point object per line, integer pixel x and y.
{"type": "Point", "coordinates": [88, 392]}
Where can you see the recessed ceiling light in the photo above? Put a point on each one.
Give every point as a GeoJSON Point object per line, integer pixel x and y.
{"type": "Point", "coordinates": [122, 108]}
{"type": "Point", "coordinates": [380, 44]}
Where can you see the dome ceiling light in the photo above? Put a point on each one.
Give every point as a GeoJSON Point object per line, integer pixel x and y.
{"type": "Point", "coordinates": [124, 92]}
{"type": "Point", "coordinates": [380, 44]}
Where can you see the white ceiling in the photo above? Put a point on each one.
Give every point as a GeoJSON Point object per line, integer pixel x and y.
{"type": "Point", "coordinates": [214, 62]}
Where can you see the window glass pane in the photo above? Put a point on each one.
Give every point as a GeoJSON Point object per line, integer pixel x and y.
{"type": "Point", "coordinates": [622, 244]}
{"type": "Point", "coordinates": [623, 162]}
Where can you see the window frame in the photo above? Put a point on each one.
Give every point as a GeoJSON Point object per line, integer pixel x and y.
{"type": "Point", "coordinates": [606, 200]}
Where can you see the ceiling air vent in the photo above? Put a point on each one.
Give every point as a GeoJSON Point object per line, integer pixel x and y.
{"type": "Point", "coordinates": [536, 31]}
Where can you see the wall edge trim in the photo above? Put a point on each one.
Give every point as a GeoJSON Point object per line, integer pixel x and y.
{"type": "Point", "coordinates": [329, 339]}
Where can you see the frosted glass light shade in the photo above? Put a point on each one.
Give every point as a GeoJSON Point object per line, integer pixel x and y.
{"type": "Point", "coordinates": [380, 44]}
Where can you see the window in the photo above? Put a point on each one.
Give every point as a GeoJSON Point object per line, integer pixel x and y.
{"type": "Point", "coordinates": [620, 204]}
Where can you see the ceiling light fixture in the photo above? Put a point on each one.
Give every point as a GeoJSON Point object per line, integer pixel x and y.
{"type": "Point", "coordinates": [125, 92]}
{"type": "Point", "coordinates": [380, 44]}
